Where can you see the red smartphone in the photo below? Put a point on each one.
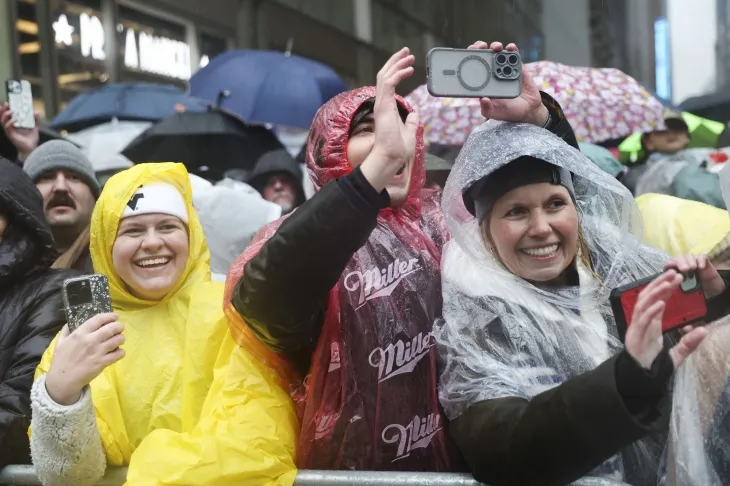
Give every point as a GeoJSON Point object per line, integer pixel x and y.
{"type": "Point", "coordinates": [686, 305]}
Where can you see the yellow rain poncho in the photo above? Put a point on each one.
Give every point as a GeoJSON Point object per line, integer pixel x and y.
{"type": "Point", "coordinates": [679, 226]}
{"type": "Point", "coordinates": [185, 405]}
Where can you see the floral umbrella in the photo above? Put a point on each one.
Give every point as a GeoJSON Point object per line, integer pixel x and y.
{"type": "Point", "coordinates": [600, 103]}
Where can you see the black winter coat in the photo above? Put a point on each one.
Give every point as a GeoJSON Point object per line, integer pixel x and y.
{"type": "Point", "coordinates": [31, 307]}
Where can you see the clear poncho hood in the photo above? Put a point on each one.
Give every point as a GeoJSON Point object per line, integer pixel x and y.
{"type": "Point", "coordinates": [502, 336]}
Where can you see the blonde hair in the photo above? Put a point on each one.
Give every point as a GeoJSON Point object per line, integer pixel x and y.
{"type": "Point", "coordinates": [70, 257]}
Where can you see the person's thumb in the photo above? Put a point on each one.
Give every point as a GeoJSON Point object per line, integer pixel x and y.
{"type": "Point", "coordinates": [412, 122]}
{"type": "Point", "coordinates": [687, 345]}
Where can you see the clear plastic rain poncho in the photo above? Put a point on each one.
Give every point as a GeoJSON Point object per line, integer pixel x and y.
{"type": "Point", "coordinates": [699, 431]}
{"type": "Point", "coordinates": [504, 337]}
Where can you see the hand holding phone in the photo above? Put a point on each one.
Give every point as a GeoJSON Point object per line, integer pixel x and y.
{"type": "Point", "coordinates": [525, 107]}
{"type": "Point", "coordinates": [80, 356]}
{"type": "Point", "coordinates": [84, 297]}
{"type": "Point", "coordinates": [643, 339]}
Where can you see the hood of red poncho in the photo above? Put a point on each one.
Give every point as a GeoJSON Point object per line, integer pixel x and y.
{"type": "Point", "coordinates": [326, 146]}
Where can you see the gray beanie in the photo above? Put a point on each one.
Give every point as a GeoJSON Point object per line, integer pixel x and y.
{"type": "Point", "coordinates": [61, 154]}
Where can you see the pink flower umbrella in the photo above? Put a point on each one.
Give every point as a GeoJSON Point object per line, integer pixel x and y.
{"type": "Point", "coordinates": [600, 103]}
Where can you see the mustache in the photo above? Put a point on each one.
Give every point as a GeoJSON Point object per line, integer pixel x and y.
{"type": "Point", "coordinates": [60, 199]}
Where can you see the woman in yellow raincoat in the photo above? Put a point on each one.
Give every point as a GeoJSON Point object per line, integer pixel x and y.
{"type": "Point", "coordinates": [180, 403]}
{"type": "Point", "coordinates": [680, 226]}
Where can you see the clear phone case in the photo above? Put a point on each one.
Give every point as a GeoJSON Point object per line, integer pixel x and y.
{"type": "Point", "coordinates": [85, 297]}
{"type": "Point", "coordinates": [20, 99]}
{"type": "Point", "coordinates": [474, 73]}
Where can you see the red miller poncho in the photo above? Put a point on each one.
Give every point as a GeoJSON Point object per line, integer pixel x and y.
{"type": "Point", "coordinates": [370, 401]}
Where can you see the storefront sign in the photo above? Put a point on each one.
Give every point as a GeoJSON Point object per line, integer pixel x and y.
{"type": "Point", "coordinates": [146, 52]}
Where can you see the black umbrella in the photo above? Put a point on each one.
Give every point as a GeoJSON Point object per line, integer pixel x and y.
{"type": "Point", "coordinates": [208, 143]}
{"type": "Point", "coordinates": [8, 150]}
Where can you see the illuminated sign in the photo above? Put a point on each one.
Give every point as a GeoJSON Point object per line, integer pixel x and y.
{"type": "Point", "coordinates": [146, 52]}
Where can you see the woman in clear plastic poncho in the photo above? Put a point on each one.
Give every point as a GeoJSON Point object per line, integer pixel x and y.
{"type": "Point", "coordinates": [181, 404]}
{"type": "Point", "coordinates": [533, 375]}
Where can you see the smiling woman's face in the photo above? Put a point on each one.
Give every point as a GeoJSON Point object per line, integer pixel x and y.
{"type": "Point", "coordinates": [150, 254]}
{"type": "Point", "coordinates": [534, 230]}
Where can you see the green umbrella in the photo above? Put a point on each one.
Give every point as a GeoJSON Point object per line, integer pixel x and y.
{"type": "Point", "coordinates": [703, 133]}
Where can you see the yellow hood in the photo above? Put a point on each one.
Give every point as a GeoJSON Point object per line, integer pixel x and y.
{"type": "Point", "coordinates": [679, 226]}
{"type": "Point", "coordinates": [105, 222]}
{"type": "Point", "coordinates": [150, 405]}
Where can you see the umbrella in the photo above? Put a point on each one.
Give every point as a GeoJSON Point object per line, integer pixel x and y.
{"type": "Point", "coordinates": [704, 133]}
{"type": "Point", "coordinates": [208, 143]}
{"type": "Point", "coordinates": [600, 103]}
{"type": "Point", "coordinates": [104, 141]}
{"type": "Point", "coordinates": [8, 150]}
{"type": "Point", "coordinates": [267, 86]}
{"type": "Point", "coordinates": [125, 101]}
{"type": "Point", "coordinates": [446, 121]}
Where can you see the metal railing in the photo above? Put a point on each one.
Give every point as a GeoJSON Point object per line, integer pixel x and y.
{"type": "Point", "coordinates": [115, 476]}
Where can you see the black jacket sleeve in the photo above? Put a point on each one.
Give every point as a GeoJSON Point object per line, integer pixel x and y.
{"type": "Point", "coordinates": [559, 124]}
{"type": "Point", "coordinates": [42, 321]}
{"type": "Point", "coordinates": [564, 433]}
{"type": "Point", "coordinates": [282, 294]}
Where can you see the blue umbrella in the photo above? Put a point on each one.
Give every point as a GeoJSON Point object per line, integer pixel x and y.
{"type": "Point", "coordinates": [267, 86]}
{"type": "Point", "coordinates": [124, 101]}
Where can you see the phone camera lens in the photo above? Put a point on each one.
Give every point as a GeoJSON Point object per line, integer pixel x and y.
{"type": "Point", "coordinates": [507, 71]}
{"type": "Point", "coordinates": [501, 59]}
{"type": "Point", "coordinates": [513, 59]}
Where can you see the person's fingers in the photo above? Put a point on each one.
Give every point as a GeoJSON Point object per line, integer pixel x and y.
{"type": "Point", "coordinates": [512, 47]}
{"type": "Point", "coordinates": [113, 343]}
{"type": "Point", "coordinates": [108, 331]}
{"type": "Point", "coordinates": [687, 345]}
{"type": "Point", "coordinates": [96, 322]}
{"type": "Point", "coordinates": [651, 292]}
{"type": "Point", "coordinates": [391, 61]}
{"type": "Point", "coordinates": [37, 118]}
{"type": "Point", "coordinates": [5, 116]}
{"type": "Point", "coordinates": [645, 323]}
{"type": "Point", "coordinates": [496, 46]}
{"type": "Point", "coordinates": [112, 357]}
{"type": "Point", "coordinates": [686, 329]}
{"type": "Point", "coordinates": [479, 45]}
{"type": "Point", "coordinates": [402, 64]}
{"type": "Point", "coordinates": [702, 262]}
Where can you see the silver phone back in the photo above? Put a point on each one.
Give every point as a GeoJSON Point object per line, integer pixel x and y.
{"type": "Point", "coordinates": [94, 301]}
{"type": "Point", "coordinates": [472, 73]}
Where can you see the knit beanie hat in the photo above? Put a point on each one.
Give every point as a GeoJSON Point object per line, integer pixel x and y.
{"type": "Point", "coordinates": [61, 154]}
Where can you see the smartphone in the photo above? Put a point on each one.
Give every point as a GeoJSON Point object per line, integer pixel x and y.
{"type": "Point", "coordinates": [20, 99]}
{"type": "Point", "coordinates": [474, 73]}
{"type": "Point", "coordinates": [686, 305]}
{"type": "Point", "coordinates": [85, 297]}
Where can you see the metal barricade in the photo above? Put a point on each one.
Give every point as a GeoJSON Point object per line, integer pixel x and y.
{"type": "Point", "coordinates": [115, 476]}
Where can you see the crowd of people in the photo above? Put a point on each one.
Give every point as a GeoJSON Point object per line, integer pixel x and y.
{"type": "Point", "coordinates": [396, 320]}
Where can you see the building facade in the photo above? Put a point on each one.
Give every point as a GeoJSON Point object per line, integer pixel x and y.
{"type": "Point", "coordinates": [64, 47]}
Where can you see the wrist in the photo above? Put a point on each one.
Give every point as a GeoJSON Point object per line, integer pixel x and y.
{"type": "Point", "coordinates": [62, 393]}
{"type": "Point", "coordinates": [540, 117]}
{"type": "Point", "coordinates": [378, 169]}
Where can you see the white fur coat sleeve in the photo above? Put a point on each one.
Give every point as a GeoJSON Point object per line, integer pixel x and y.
{"type": "Point", "coordinates": [65, 442]}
